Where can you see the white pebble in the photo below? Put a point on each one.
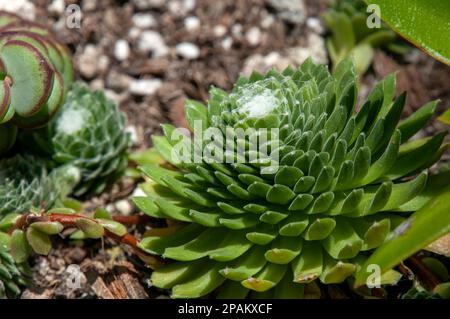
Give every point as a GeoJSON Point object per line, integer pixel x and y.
{"type": "Point", "coordinates": [110, 208]}
{"type": "Point", "coordinates": [144, 86]}
{"type": "Point", "coordinates": [121, 50]}
{"type": "Point", "coordinates": [124, 207]}
{"type": "Point", "coordinates": [57, 6]}
{"type": "Point", "coordinates": [188, 50]}
{"type": "Point", "coordinates": [147, 4]}
{"type": "Point", "coordinates": [88, 61]}
{"type": "Point", "coordinates": [144, 20]}
{"type": "Point", "coordinates": [219, 30]}
{"type": "Point", "coordinates": [24, 8]}
{"type": "Point", "coordinates": [227, 43]}
{"type": "Point", "coordinates": [236, 30]}
{"type": "Point", "coordinates": [267, 22]}
{"type": "Point", "coordinates": [253, 36]}
{"type": "Point", "coordinates": [192, 23]}
{"type": "Point", "coordinates": [131, 130]}
{"type": "Point", "coordinates": [152, 41]}
{"type": "Point", "coordinates": [138, 192]}
{"type": "Point", "coordinates": [315, 25]}
{"type": "Point", "coordinates": [134, 33]}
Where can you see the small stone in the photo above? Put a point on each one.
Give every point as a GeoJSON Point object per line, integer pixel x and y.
{"type": "Point", "coordinates": [132, 131]}
{"type": "Point", "coordinates": [134, 33]}
{"type": "Point", "coordinates": [138, 192]}
{"type": "Point", "coordinates": [148, 4]}
{"type": "Point", "coordinates": [181, 7]}
{"type": "Point", "coordinates": [56, 7]}
{"type": "Point", "coordinates": [110, 208]}
{"type": "Point", "coordinates": [315, 49]}
{"type": "Point", "coordinates": [144, 86]}
{"type": "Point", "coordinates": [227, 43]}
{"type": "Point", "coordinates": [253, 36]}
{"type": "Point", "coordinates": [262, 64]}
{"type": "Point", "coordinates": [192, 23]}
{"type": "Point", "coordinates": [267, 21]}
{"type": "Point", "coordinates": [189, 5]}
{"type": "Point", "coordinates": [24, 8]}
{"type": "Point", "coordinates": [97, 84]}
{"type": "Point", "coordinates": [117, 81]}
{"type": "Point", "coordinates": [152, 41]}
{"type": "Point", "coordinates": [124, 207]}
{"type": "Point", "coordinates": [292, 11]}
{"type": "Point", "coordinates": [88, 5]}
{"type": "Point", "coordinates": [103, 63]}
{"type": "Point", "coordinates": [88, 61]}
{"type": "Point", "coordinates": [315, 24]}
{"type": "Point", "coordinates": [144, 20]}
{"type": "Point", "coordinates": [219, 30]}
{"type": "Point", "coordinates": [236, 30]}
{"type": "Point", "coordinates": [188, 50]}
{"type": "Point", "coordinates": [118, 98]}
{"type": "Point", "coordinates": [121, 50]}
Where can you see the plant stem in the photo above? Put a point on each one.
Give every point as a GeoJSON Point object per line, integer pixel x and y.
{"type": "Point", "coordinates": [70, 221]}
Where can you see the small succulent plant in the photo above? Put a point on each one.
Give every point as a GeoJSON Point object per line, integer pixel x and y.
{"type": "Point", "coordinates": [12, 275]}
{"type": "Point", "coordinates": [88, 133]}
{"type": "Point", "coordinates": [343, 180]}
{"type": "Point", "coordinates": [26, 182]}
{"type": "Point", "coordinates": [351, 36]}
{"type": "Point", "coordinates": [35, 72]}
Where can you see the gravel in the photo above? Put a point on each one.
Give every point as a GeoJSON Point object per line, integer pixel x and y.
{"type": "Point", "coordinates": [152, 42]}
{"type": "Point", "coordinates": [121, 50]}
{"type": "Point", "coordinates": [144, 87]}
{"type": "Point", "coordinates": [188, 50]}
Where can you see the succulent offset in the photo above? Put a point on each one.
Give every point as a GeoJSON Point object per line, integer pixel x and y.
{"type": "Point", "coordinates": [347, 21]}
{"type": "Point", "coordinates": [88, 133]}
{"type": "Point", "coordinates": [345, 175]}
{"type": "Point", "coordinates": [35, 72]}
{"type": "Point", "coordinates": [26, 182]}
{"type": "Point", "coordinates": [12, 276]}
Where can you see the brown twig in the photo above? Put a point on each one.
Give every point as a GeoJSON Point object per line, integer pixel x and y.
{"type": "Point", "coordinates": [428, 278]}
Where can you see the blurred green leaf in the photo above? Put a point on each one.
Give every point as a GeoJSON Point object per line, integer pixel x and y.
{"type": "Point", "coordinates": [149, 156]}
{"type": "Point", "coordinates": [424, 23]}
{"type": "Point", "coordinates": [426, 225]}
{"type": "Point", "coordinates": [445, 117]}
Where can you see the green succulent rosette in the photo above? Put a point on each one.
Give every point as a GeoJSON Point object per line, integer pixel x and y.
{"type": "Point", "coordinates": [35, 72]}
{"type": "Point", "coordinates": [88, 133]}
{"type": "Point", "coordinates": [27, 182]}
{"type": "Point", "coordinates": [12, 276]}
{"type": "Point", "coordinates": [250, 228]}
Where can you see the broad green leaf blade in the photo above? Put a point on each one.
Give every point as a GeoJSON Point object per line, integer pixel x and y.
{"type": "Point", "coordinates": [423, 227]}
{"type": "Point", "coordinates": [424, 23]}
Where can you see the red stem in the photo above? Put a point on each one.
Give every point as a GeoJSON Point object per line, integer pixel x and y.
{"type": "Point", "coordinates": [70, 221]}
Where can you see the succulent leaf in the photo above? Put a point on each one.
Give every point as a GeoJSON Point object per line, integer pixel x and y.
{"type": "Point", "coordinates": [12, 275]}
{"type": "Point", "coordinates": [35, 73]}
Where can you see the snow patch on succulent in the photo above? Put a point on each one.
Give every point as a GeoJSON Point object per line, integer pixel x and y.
{"type": "Point", "coordinates": [257, 100]}
{"type": "Point", "coordinates": [72, 121]}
